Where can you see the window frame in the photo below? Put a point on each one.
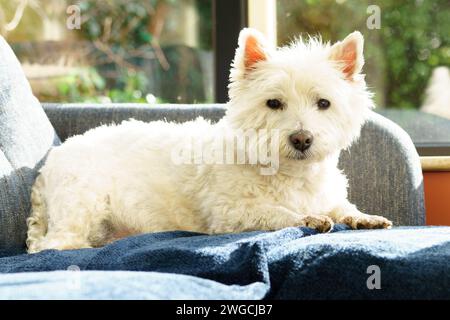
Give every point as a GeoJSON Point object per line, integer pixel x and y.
{"type": "Point", "coordinates": [229, 17]}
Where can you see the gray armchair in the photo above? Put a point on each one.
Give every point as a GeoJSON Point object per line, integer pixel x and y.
{"type": "Point", "coordinates": [383, 167]}
{"type": "Point", "coordinates": [385, 178]}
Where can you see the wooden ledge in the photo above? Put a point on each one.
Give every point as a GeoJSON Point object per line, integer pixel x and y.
{"type": "Point", "coordinates": [440, 163]}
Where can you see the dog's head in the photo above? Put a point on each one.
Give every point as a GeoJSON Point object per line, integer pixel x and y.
{"type": "Point", "coordinates": [313, 93]}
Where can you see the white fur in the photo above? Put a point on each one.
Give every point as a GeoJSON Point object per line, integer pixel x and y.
{"type": "Point", "coordinates": [119, 180]}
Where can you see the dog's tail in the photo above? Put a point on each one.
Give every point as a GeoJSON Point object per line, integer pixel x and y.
{"type": "Point", "coordinates": [437, 99]}
{"type": "Point", "coordinates": [37, 222]}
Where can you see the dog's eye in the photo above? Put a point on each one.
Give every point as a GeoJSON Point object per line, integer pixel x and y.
{"type": "Point", "coordinates": [323, 104]}
{"type": "Point", "coordinates": [274, 104]}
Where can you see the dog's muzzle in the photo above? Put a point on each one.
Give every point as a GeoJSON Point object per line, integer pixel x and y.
{"type": "Point", "coordinates": [301, 140]}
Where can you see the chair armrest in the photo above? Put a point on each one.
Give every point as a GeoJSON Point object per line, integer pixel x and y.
{"type": "Point", "coordinates": [384, 171]}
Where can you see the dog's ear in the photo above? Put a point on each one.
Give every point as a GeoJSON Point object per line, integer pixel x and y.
{"type": "Point", "coordinates": [252, 49]}
{"type": "Point", "coordinates": [349, 54]}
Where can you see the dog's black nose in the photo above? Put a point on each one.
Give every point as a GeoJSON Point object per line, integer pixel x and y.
{"type": "Point", "coordinates": [301, 140]}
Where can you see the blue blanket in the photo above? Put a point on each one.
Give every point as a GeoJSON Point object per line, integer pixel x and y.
{"type": "Point", "coordinates": [293, 263]}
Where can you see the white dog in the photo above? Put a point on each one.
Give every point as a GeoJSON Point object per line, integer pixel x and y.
{"type": "Point", "coordinates": [115, 181]}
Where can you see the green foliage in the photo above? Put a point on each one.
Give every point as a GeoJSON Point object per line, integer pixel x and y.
{"type": "Point", "coordinates": [133, 86]}
{"type": "Point", "coordinates": [125, 59]}
{"type": "Point", "coordinates": [204, 8]}
{"type": "Point", "coordinates": [86, 85]}
{"type": "Point", "coordinates": [81, 83]}
{"type": "Point", "coordinates": [118, 22]}
{"type": "Point", "coordinates": [414, 38]}
{"type": "Point", "coordinates": [124, 51]}
{"type": "Point", "coordinates": [120, 26]}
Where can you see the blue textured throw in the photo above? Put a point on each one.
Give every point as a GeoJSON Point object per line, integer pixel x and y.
{"type": "Point", "coordinates": [293, 263]}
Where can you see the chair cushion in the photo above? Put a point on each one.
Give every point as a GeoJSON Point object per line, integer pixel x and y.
{"type": "Point", "coordinates": [26, 135]}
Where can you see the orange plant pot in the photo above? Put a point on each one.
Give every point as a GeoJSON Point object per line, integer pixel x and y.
{"type": "Point", "coordinates": [437, 198]}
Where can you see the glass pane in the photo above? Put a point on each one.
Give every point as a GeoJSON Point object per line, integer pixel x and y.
{"type": "Point", "coordinates": [412, 39]}
{"type": "Point", "coordinates": [121, 50]}
{"type": "Point", "coordinates": [407, 48]}
{"type": "Point", "coordinates": [430, 133]}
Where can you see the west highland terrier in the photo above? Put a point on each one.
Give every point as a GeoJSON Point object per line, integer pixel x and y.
{"type": "Point", "coordinates": [309, 99]}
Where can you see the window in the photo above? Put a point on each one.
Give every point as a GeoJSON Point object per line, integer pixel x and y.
{"type": "Point", "coordinates": [179, 51]}
{"type": "Point", "coordinates": [120, 51]}
{"type": "Point", "coordinates": [406, 41]}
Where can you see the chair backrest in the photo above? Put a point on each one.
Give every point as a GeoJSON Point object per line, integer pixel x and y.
{"type": "Point", "coordinates": [26, 135]}
{"type": "Point", "coordinates": [383, 167]}
{"type": "Point", "coordinates": [384, 172]}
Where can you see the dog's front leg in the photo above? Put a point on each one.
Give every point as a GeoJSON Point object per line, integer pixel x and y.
{"type": "Point", "coordinates": [267, 217]}
{"type": "Point", "coordinates": [348, 214]}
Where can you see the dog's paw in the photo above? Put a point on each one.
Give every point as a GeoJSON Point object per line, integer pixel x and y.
{"type": "Point", "coordinates": [318, 222]}
{"type": "Point", "coordinates": [366, 221]}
